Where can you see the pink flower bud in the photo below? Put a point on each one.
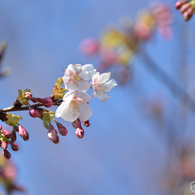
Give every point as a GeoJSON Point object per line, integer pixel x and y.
{"type": "Point", "coordinates": [52, 133]}
{"type": "Point", "coordinates": [62, 130]}
{"type": "Point", "coordinates": [4, 145]}
{"type": "Point", "coordinates": [6, 154]}
{"type": "Point", "coordinates": [14, 146]}
{"type": "Point", "coordinates": [86, 123]}
{"type": "Point", "coordinates": [57, 140]}
{"type": "Point", "coordinates": [23, 133]}
{"type": "Point", "coordinates": [13, 136]}
{"type": "Point", "coordinates": [79, 133]}
{"type": "Point", "coordinates": [179, 4]}
{"type": "Point", "coordinates": [0, 127]}
{"type": "Point", "coordinates": [33, 112]}
{"type": "Point", "coordinates": [6, 133]}
{"type": "Point", "coordinates": [77, 123]}
{"type": "Point", "coordinates": [47, 102]}
{"type": "Point", "coordinates": [28, 95]}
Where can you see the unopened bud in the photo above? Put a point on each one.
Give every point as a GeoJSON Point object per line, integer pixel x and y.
{"type": "Point", "coordinates": [13, 136]}
{"type": "Point", "coordinates": [14, 146]}
{"type": "Point", "coordinates": [6, 133]}
{"type": "Point", "coordinates": [79, 133]}
{"type": "Point", "coordinates": [6, 154]}
{"type": "Point", "coordinates": [28, 95]}
{"type": "Point", "coordinates": [179, 4]}
{"type": "Point", "coordinates": [57, 140]}
{"type": "Point", "coordinates": [23, 133]}
{"type": "Point", "coordinates": [4, 145]}
{"type": "Point", "coordinates": [62, 130]}
{"type": "Point", "coordinates": [26, 138]}
{"type": "Point", "coordinates": [33, 112]}
{"type": "Point", "coordinates": [47, 102]}
{"type": "Point", "coordinates": [77, 123]}
{"type": "Point", "coordinates": [86, 123]}
{"type": "Point", "coordinates": [52, 133]}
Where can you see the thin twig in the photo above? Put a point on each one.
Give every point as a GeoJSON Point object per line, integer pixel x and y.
{"type": "Point", "coordinates": [12, 108]}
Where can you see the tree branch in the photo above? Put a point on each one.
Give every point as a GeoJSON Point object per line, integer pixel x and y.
{"type": "Point", "coordinates": [175, 89]}
{"type": "Point", "coordinates": [12, 108]}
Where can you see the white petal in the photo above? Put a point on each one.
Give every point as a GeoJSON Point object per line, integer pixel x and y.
{"type": "Point", "coordinates": [103, 77]}
{"type": "Point", "coordinates": [110, 84]}
{"type": "Point", "coordinates": [95, 76]}
{"type": "Point", "coordinates": [87, 71]}
{"type": "Point", "coordinates": [71, 86]}
{"type": "Point", "coordinates": [83, 85]}
{"type": "Point", "coordinates": [84, 96]}
{"type": "Point", "coordinates": [69, 95]}
{"type": "Point", "coordinates": [74, 68]}
{"type": "Point", "coordinates": [85, 112]}
{"type": "Point", "coordinates": [102, 96]}
{"type": "Point", "coordinates": [66, 79]}
{"type": "Point", "coordinates": [94, 94]}
{"type": "Point", "coordinates": [60, 109]}
{"type": "Point", "coordinates": [69, 112]}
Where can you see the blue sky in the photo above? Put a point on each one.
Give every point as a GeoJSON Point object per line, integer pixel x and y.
{"type": "Point", "coordinates": [120, 153]}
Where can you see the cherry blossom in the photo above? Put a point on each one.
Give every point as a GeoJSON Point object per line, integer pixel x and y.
{"type": "Point", "coordinates": [76, 77]}
{"type": "Point", "coordinates": [74, 105]}
{"type": "Point", "coordinates": [101, 84]}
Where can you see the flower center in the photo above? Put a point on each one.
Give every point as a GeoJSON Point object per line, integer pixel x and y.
{"type": "Point", "coordinates": [75, 78]}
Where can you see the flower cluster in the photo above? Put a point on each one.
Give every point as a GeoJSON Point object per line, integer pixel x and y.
{"type": "Point", "coordinates": [75, 105]}
{"type": "Point", "coordinates": [186, 8]}
{"type": "Point", "coordinates": [73, 102]}
{"type": "Point", "coordinates": [118, 46]}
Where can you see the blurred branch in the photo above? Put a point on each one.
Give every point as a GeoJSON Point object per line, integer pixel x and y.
{"type": "Point", "coordinates": [175, 89]}
{"type": "Point", "coordinates": [2, 52]}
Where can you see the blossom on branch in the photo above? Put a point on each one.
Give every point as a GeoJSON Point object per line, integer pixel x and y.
{"type": "Point", "coordinates": [76, 77]}
{"type": "Point", "coordinates": [101, 85]}
{"type": "Point", "coordinates": [74, 105]}
{"type": "Point", "coordinates": [72, 100]}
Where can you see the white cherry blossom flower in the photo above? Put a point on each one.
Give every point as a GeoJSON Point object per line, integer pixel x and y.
{"type": "Point", "coordinates": [101, 85]}
{"type": "Point", "coordinates": [74, 105]}
{"type": "Point", "coordinates": [76, 77]}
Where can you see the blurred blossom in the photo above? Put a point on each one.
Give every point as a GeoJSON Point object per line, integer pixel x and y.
{"type": "Point", "coordinates": [8, 175]}
{"type": "Point", "coordinates": [117, 46]}
{"type": "Point", "coordinates": [89, 46]}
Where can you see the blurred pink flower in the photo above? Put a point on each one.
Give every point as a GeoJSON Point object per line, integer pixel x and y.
{"type": "Point", "coordinates": [89, 46]}
{"type": "Point", "coordinates": [142, 31]}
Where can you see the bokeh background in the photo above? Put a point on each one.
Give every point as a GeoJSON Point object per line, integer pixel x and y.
{"type": "Point", "coordinates": [125, 150]}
